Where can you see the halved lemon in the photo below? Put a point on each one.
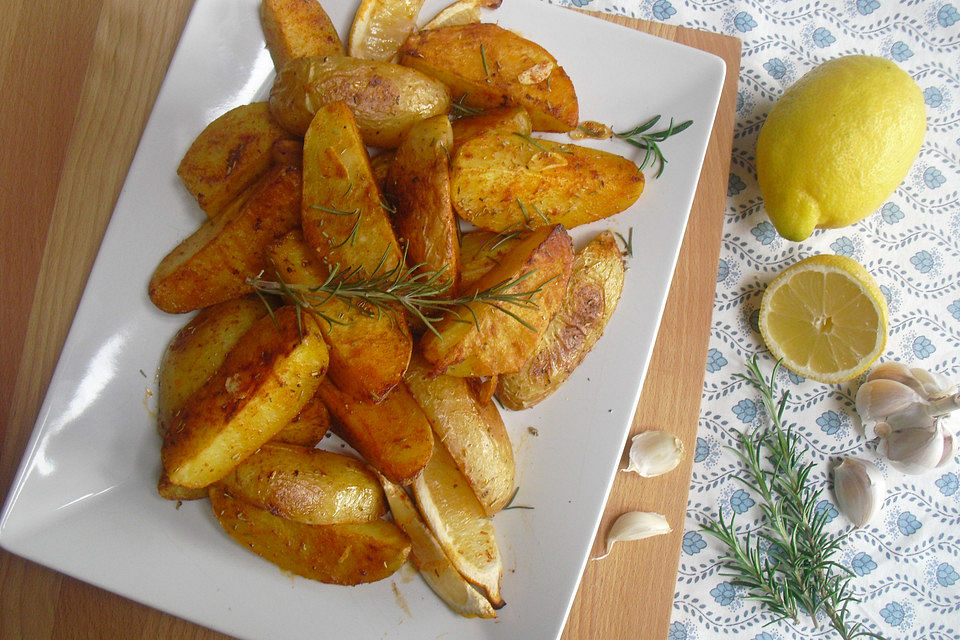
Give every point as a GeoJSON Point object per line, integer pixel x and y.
{"type": "Point", "coordinates": [825, 317]}
{"type": "Point", "coordinates": [381, 26]}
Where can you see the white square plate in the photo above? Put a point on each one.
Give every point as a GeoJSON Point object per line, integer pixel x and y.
{"type": "Point", "coordinates": [84, 501]}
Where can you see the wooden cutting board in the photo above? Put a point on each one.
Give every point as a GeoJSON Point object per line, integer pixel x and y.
{"type": "Point", "coordinates": [84, 76]}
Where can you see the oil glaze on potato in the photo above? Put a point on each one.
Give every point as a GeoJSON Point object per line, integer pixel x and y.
{"type": "Point", "coordinates": [265, 380]}
{"type": "Point", "coordinates": [386, 99]}
{"type": "Point", "coordinates": [337, 553]}
{"type": "Point", "coordinates": [213, 264]}
{"type": "Point", "coordinates": [591, 296]}
{"type": "Point", "coordinates": [507, 119]}
{"type": "Point", "coordinates": [229, 155]}
{"type": "Point", "coordinates": [307, 485]}
{"type": "Point", "coordinates": [488, 67]}
{"type": "Point", "coordinates": [297, 28]}
{"type": "Point", "coordinates": [482, 340]}
{"type": "Point", "coordinates": [503, 181]}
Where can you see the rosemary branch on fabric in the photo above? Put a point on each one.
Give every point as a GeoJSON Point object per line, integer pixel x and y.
{"type": "Point", "coordinates": [790, 564]}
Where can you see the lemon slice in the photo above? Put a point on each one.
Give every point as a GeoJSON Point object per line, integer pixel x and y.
{"type": "Point", "coordinates": [463, 530]}
{"type": "Point", "coordinates": [430, 559]}
{"type": "Point", "coordinates": [825, 317]}
{"type": "Point", "coordinates": [460, 13]}
{"type": "Point", "coordinates": [381, 26]}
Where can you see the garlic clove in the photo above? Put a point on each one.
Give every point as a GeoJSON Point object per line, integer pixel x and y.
{"type": "Point", "coordinates": [892, 371]}
{"type": "Point", "coordinates": [653, 453]}
{"type": "Point", "coordinates": [949, 449]}
{"type": "Point", "coordinates": [635, 525]}
{"type": "Point", "coordinates": [860, 488]}
{"type": "Point", "coordinates": [914, 450]}
{"type": "Point", "coordinates": [932, 384]}
{"type": "Point", "coordinates": [879, 398]}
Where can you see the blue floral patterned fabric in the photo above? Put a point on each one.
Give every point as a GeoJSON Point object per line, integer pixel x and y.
{"type": "Point", "coordinates": [906, 564]}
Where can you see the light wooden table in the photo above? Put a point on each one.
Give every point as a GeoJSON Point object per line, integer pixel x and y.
{"type": "Point", "coordinates": [79, 80]}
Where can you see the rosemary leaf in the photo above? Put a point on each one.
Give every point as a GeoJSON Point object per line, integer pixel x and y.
{"type": "Point", "coordinates": [650, 142]}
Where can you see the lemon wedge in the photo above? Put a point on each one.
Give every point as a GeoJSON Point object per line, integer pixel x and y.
{"type": "Point", "coordinates": [825, 317]}
{"type": "Point", "coordinates": [381, 26]}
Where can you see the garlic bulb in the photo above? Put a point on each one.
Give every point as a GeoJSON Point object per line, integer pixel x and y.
{"type": "Point", "coordinates": [860, 490]}
{"type": "Point", "coordinates": [635, 525]}
{"type": "Point", "coordinates": [907, 408]}
{"type": "Point", "coordinates": [653, 453]}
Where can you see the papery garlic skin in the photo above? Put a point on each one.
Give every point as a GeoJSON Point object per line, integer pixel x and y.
{"type": "Point", "coordinates": [635, 525]}
{"type": "Point", "coordinates": [860, 490]}
{"type": "Point", "coordinates": [653, 453]}
{"type": "Point", "coordinates": [879, 399]}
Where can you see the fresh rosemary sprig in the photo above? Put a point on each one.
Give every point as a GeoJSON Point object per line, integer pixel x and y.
{"type": "Point", "coordinates": [650, 142]}
{"type": "Point", "coordinates": [790, 564]}
{"type": "Point", "coordinates": [627, 243]}
{"type": "Point", "coordinates": [463, 110]}
{"type": "Point", "coordinates": [421, 293]}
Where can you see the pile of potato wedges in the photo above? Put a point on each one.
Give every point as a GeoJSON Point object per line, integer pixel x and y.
{"type": "Point", "coordinates": [365, 164]}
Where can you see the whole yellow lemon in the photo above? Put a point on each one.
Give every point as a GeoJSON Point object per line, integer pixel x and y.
{"type": "Point", "coordinates": [838, 143]}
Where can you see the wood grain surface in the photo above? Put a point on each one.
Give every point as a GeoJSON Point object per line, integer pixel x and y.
{"type": "Point", "coordinates": [83, 76]}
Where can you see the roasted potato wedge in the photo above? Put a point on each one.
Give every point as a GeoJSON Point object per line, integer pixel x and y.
{"type": "Point", "coordinates": [265, 380]}
{"type": "Point", "coordinates": [482, 250]}
{"type": "Point", "coordinates": [176, 493]}
{"type": "Point", "coordinates": [476, 440]}
{"type": "Point", "coordinates": [297, 28]}
{"type": "Point", "coordinates": [368, 351]}
{"type": "Point", "coordinates": [429, 558]}
{"type": "Point", "coordinates": [591, 296]}
{"type": "Point", "coordinates": [198, 350]}
{"type": "Point", "coordinates": [505, 119]}
{"type": "Point", "coordinates": [483, 340]}
{"type": "Point", "coordinates": [460, 13]}
{"type": "Point", "coordinates": [419, 179]}
{"type": "Point", "coordinates": [343, 215]}
{"type": "Point", "coordinates": [213, 264]}
{"type": "Point", "coordinates": [309, 427]}
{"type": "Point", "coordinates": [488, 67]}
{"type": "Point", "coordinates": [505, 181]}
{"type": "Point", "coordinates": [229, 155]}
{"type": "Point", "coordinates": [458, 522]}
{"type": "Point", "coordinates": [334, 553]}
{"type": "Point", "coordinates": [307, 485]}
{"type": "Point", "coordinates": [386, 99]}
{"type": "Point", "coordinates": [288, 152]}
{"type": "Point", "coordinates": [393, 436]}
{"type": "Point", "coordinates": [381, 26]}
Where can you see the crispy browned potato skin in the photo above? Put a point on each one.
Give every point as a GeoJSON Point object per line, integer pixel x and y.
{"type": "Point", "coordinates": [495, 342]}
{"type": "Point", "coordinates": [419, 179]}
{"type": "Point", "coordinates": [297, 28]}
{"type": "Point", "coordinates": [337, 178]}
{"type": "Point", "coordinates": [229, 155]}
{"type": "Point", "coordinates": [213, 264]}
{"type": "Point", "coordinates": [394, 436]}
{"type": "Point", "coordinates": [386, 99]}
{"type": "Point", "coordinates": [265, 380]}
{"type": "Point", "coordinates": [476, 439]}
{"type": "Point", "coordinates": [338, 553]}
{"type": "Point", "coordinates": [591, 297]}
{"type": "Point", "coordinates": [482, 250]}
{"type": "Point", "coordinates": [506, 119]}
{"type": "Point", "coordinates": [307, 485]}
{"type": "Point", "coordinates": [288, 152]}
{"type": "Point", "coordinates": [198, 350]}
{"type": "Point", "coordinates": [368, 352]}
{"type": "Point", "coordinates": [556, 183]}
{"type": "Point", "coordinates": [452, 55]}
